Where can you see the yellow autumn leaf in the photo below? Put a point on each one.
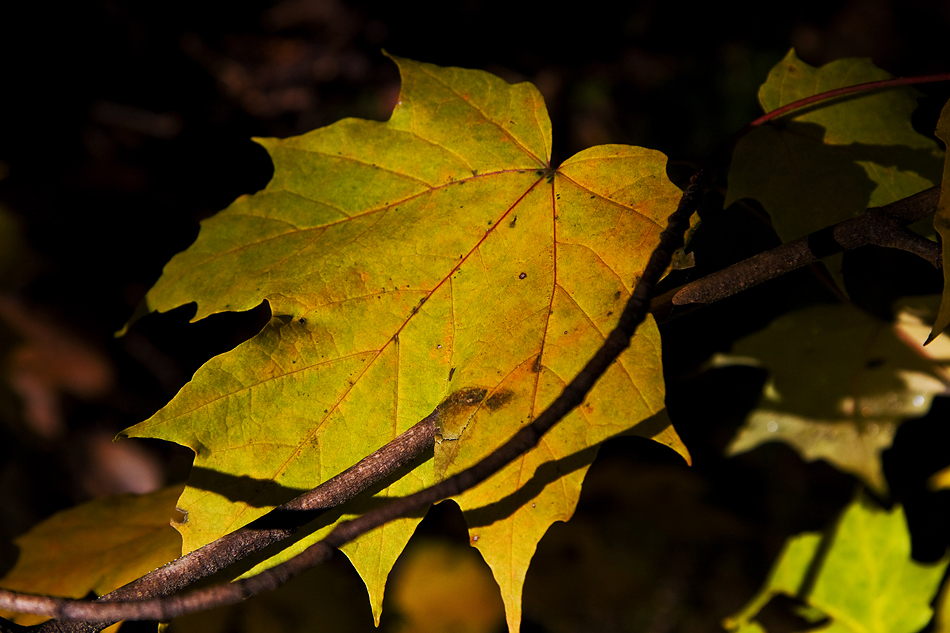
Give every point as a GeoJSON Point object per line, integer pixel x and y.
{"type": "Point", "coordinates": [436, 257]}
{"type": "Point", "coordinates": [96, 547]}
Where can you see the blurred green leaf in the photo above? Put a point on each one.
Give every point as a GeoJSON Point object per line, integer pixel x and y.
{"type": "Point", "coordinates": [865, 581]}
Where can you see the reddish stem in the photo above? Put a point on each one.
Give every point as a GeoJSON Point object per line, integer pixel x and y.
{"type": "Point", "coordinates": [837, 92]}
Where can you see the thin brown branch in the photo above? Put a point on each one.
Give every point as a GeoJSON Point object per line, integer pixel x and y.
{"type": "Point", "coordinates": [868, 86]}
{"type": "Point", "coordinates": [882, 226]}
{"type": "Point", "coordinates": [617, 341]}
{"type": "Point", "coordinates": [254, 537]}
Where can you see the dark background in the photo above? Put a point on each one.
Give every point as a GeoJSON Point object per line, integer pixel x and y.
{"type": "Point", "coordinates": [123, 124]}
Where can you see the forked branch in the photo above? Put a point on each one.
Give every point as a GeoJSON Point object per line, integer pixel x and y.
{"type": "Point", "coordinates": [128, 603]}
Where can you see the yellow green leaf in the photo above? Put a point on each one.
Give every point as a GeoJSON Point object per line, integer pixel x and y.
{"type": "Point", "coordinates": [436, 257]}
{"type": "Point", "coordinates": [822, 164]}
{"type": "Point", "coordinates": [942, 226]}
{"type": "Point", "coordinates": [840, 382]}
{"type": "Point", "coordinates": [96, 547]}
{"type": "Point", "coordinates": [866, 581]}
{"type": "Point", "coordinates": [787, 576]}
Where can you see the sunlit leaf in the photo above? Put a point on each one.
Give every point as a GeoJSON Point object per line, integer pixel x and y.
{"type": "Point", "coordinates": [96, 547]}
{"type": "Point", "coordinates": [840, 382]}
{"type": "Point", "coordinates": [436, 257]}
{"type": "Point", "coordinates": [865, 582]}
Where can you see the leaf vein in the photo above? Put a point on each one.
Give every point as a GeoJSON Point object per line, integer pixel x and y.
{"type": "Point", "coordinates": [486, 117]}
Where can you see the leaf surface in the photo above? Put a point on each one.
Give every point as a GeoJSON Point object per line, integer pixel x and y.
{"type": "Point", "coordinates": [822, 164]}
{"type": "Point", "coordinates": [434, 258]}
{"type": "Point", "coordinates": [97, 546]}
{"type": "Point", "coordinates": [841, 381]}
{"type": "Point", "coordinates": [942, 226]}
{"type": "Point", "coordinates": [866, 582]}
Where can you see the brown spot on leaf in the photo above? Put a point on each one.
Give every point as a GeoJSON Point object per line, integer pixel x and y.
{"type": "Point", "coordinates": [456, 410]}
{"type": "Point", "coordinates": [536, 365]}
{"type": "Point", "coordinates": [499, 399]}
{"type": "Point", "coordinates": [462, 399]}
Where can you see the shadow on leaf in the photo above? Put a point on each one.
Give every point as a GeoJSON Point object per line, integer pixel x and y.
{"type": "Point", "coordinates": [551, 471]}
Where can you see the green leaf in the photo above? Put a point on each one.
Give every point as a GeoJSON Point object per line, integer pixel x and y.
{"type": "Point", "coordinates": [434, 257]}
{"type": "Point", "coordinates": [787, 576]}
{"type": "Point", "coordinates": [840, 383]}
{"type": "Point", "coordinates": [97, 546]}
{"type": "Point", "coordinates": [942, 226]}
{"type": "Point", "coordinates": [822, 164]}
{"type": "Point", "coordinates": [866, 581]}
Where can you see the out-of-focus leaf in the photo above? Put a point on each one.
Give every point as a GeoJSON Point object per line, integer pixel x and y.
{"type": "Point", "coordinates": [940, 480]}
{"type": "Point", "coordinates": [819, 165]}
{"type": "Point", "coordinates": [942, 226]}
{"type": "Point", "coordinates": [787, 576]}
{"type": "Point", "coordinates": [840, 383]}
{"type": "Point", "coordinates": [47, 362]}
{"type": "Point", "coordinates": [865, 582]}
{"type": "Point", "coordinates": [434, 258]}
{"type": "Point", "coordinates": [442, 586]}
{"type": "Point", "coordinates": [96, 547]}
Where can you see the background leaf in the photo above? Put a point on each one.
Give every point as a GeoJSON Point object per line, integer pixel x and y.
{"type": "Point", "coordinates": [823, 164]}
{"type": "Point", "coordinates": [433, 258]}
{"type": "Point", "coordinates": [96, 547]}
{"type": "Point", "coordinates": [442, 586]}
{"type": "Point", "coordinates": [865, 582]}
{"type": "Point", "coordinates": [942, 226]}
{"type": "Point", "coordinates": [840, 382]}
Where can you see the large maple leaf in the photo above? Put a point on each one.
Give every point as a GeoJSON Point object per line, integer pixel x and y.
{"type": "Point", "coordinates": [433, 258]}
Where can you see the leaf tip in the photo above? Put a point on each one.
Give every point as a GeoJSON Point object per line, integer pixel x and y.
{"type": "Point", "coordinates": [140, 311]}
